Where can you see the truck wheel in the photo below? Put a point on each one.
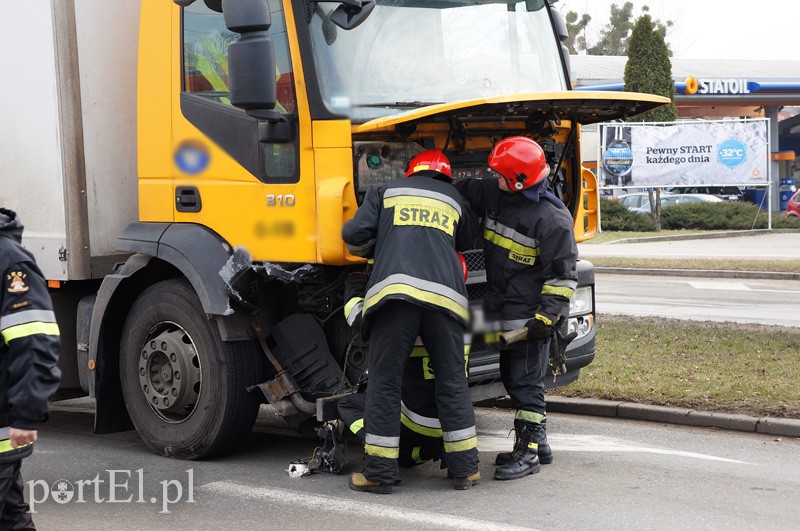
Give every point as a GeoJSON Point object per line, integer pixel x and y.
{"type": "Point", "coordinates": [185, 389]}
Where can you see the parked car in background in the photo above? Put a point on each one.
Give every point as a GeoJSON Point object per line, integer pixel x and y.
{"type": "Point", "coordinates": [680, 199]}
{"type": "Point", "coordinates": [793, 206]}
{"type": "Point", "coordinates": [726, 193]}
{"type": "Point", "coordinates": [636, 200]}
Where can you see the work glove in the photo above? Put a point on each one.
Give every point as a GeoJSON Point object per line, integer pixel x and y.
{"type": "Point", "coordinates": [538, 330]}
{"type": "Point", "coordinates": [558, 348]}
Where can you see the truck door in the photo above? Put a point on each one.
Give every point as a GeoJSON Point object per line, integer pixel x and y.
{"type": "Point", "coordinates": [226, 174]}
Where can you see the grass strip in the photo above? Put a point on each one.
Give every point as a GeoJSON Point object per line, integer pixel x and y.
{"type": "Point", "coordinates": [725, 367]}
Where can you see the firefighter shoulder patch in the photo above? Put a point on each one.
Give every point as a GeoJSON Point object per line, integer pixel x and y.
{"type": "Point", "coordinates": [16, 282]}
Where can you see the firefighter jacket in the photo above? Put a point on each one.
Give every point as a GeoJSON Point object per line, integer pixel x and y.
{"type": "Point", "coordinates": [412, 228]}
{"type": "Point", "coordinates": [529, 252]}
{"type": "Point", "coordinates": [29, 340]}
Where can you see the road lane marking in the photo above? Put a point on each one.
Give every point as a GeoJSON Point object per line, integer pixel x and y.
{"type": "Point", "coordinates": [499, 441]}
{"type": "Point", "coordinates": [736, 286]}
{"type": "Point", "coordinates": [331, 504]}
{"type": "Point", "coordinates": [724, 286]}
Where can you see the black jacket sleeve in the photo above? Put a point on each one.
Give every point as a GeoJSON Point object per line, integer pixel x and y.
{"type": "Point", "coordinates": [467, 229]}
{"type": "Point", "coordinates": [359, 233]}
{"type": "Point", "coordinates": [558, 255]}
{"type": "Point", "coordinates": [477, 192]}
{"type": "Point", "coordinates": [355, 287]}
{"type": "Point", "coordinates": [28, 327]}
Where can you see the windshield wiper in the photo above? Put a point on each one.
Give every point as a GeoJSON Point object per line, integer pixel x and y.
{"type": "Point", "coordinates": [403, 104]}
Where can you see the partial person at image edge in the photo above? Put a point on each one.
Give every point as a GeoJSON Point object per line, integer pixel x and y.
{"type": "Point", "coordinates": [29, 375]}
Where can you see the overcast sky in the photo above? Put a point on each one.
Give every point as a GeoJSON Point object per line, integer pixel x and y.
{"type": "Point", "coordinates": [712, 29]}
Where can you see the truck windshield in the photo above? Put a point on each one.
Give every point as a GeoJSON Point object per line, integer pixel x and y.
{"type": "Point", "coordinates": [419, 52]}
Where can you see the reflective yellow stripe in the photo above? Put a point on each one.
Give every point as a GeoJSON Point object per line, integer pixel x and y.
{"type": "Point", "coordinates": [529, 416]}
{"type": "Point", "coordinates": [418, 428]}
{"type": "Point", "coordinates": [5, 446]}
{"type": "Point", "coordinates": [409, 193]}
{"type": "Point", "coordinates": [511, 245]}
{"type": "Point", "coordinates": [351, 304]}
{"type": "Point", "coordinates": [555, 290]}
{"type": "Point", "coordinates": [461, 446]}
{"type": "Point", "coordinates": [492, 337]}
{"type": "Point", "coordinates": [419, 352]}
{"type": "Point", "coordinates": [420, 295]}
{"type": "Point", "coordinates": [382, 451]}
{"type": "Point", "coordinates": [357, 426]}
{"type": "Point", "coordinates": [542, 318]}
{"type": "Point", "coordinates": [415, 455]}
{"type": "Point", "coordinates": [533, 445]}
{"type": "Point", "coordinates": [30, 329]}
{"type": "Point", "coordinates": [427, 370]}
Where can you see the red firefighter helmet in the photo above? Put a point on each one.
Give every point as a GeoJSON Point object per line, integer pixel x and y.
{"type": "Point", "coordinates": [432, 160]}
{"type": "Point", "coordinates": [520, 161]}
{"type": "Point", "coordinates": [464, 268]}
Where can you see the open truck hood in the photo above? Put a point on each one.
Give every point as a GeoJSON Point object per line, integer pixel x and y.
{"type": "Point", "coordinates": [583, 107]}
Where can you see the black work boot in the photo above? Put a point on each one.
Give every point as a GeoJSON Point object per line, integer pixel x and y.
{"type": "Point", "coordinates": [467, 482]}
{"type": "Point", "coordinates": [503, 458]}
{"type": "Point", "coordinates": [545, 453]}
{"type": "Point", "coordinates": [525, 458]}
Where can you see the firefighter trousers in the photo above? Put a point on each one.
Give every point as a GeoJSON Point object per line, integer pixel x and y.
{"type": "Point", "coordinates": [13, 509]}
{"type": "Point", "coordinates": [394, 329]}
{"type": "Point", "coordinates": [415, 448]}
{"type": "Point", "coordinates": [523, 370]}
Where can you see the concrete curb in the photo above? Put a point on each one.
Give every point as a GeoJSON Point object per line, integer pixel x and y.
{"type": "Point", "coordinates": [670, 415]}
{"type": "Point", "coordinates": [704, 273]}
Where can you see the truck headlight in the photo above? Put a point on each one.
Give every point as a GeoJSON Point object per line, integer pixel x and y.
{"type": "Point", "coordinates": [581, 302]}
{"type": "Point", "coordinates": [381, 162]}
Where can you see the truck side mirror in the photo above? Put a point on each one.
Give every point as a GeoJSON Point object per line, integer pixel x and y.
{"type": "Point", "coordinates": [251, 58]}
{"type": "Point", "coordinates": [351, 13]}
{"type": "Point", "coordinates": [563, 35]}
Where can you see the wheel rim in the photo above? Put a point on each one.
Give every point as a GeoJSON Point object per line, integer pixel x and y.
{"type": "Point", "coordinates": [170, 376]}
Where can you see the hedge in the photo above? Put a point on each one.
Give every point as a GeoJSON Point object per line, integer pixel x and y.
{"type": "Point", "coordinates": [698, 216]}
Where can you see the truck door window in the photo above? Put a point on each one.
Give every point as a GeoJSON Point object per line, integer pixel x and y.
{"type": "Point", "coordinates": [205, 74]}
{"type": "Point", "coordinates": [205, 55]}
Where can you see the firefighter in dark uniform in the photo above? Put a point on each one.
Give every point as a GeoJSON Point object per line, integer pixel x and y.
{"type": "Point", "coordinates": [530, 256]}
{"type": "Point", "coordinates": [29, 375]}
{"type": "Point", "coordinates": [412, 228]}
{"type": "Point", "coordinates": [420, 429]}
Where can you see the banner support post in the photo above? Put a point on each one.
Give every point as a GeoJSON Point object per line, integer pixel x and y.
{"type": "Point", "coordinates": [599, 176]}
{"type": "Point", "coordinates": [769, 175]}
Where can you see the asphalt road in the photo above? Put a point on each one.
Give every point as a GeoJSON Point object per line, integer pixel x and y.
{"type": "Point", "coordinates": [608, 473]}
{"type": "Point", "coordinates": [703, 299]}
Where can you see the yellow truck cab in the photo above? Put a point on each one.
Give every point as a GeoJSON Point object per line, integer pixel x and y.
{"type": "Point", "coordinates": [260, 125]}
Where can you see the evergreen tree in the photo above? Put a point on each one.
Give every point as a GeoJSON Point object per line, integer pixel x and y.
{"type": "Point", "coordinates": [649, 70]}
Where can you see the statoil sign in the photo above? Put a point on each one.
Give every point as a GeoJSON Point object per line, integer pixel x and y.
{"type": "Point", "coordinates": [716, 86]}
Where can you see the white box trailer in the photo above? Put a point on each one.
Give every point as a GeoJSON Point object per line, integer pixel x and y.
{"type": "Point", "coordinates": [68, 157]}
{"type": "Point", "coordinates": [68, 137]}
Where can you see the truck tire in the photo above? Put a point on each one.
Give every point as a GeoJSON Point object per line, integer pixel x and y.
{"type": "Point", "coordinates": [184, 388]}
